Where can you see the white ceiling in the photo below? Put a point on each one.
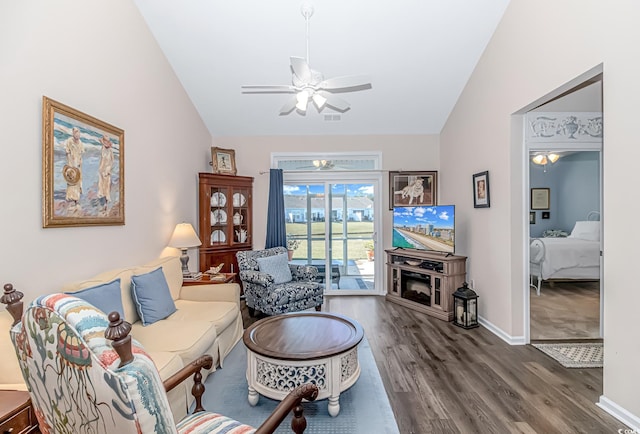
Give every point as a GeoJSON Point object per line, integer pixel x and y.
{"type": "Point", "coordinates": [418, 53]}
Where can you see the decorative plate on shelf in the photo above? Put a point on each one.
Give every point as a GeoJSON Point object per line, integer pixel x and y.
{"type": "Point", "coordinates": [218, 237]}
{"type": "Point", "coordinates": [218, 216]}
{"type": "Point", "coordinates": [218, 199]}
{"type": "Point", "coordinates": [239, 199]}
{"type": "Point", "coordinates": [413, 262]}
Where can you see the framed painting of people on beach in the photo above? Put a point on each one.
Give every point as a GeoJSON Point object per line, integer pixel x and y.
{"type": "Point", "coordinates": [82, 168]}
{"type": "Point", "coordinates": [413, 189]}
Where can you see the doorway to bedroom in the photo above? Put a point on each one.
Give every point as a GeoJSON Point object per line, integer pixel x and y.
{"type": "Point", "coordinates": [565, 198]}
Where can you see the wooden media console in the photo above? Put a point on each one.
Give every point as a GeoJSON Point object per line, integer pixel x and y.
{"type": "Point", "coordinates": [424, 281]}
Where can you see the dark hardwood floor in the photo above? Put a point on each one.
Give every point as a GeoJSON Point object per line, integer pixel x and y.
{"type": "Point", "coordinates": [444, 379]}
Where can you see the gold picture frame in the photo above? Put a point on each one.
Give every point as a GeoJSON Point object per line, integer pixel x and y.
{"type": "Point", "coordinates": [82, 168]}
{"type": "Point", "coordinates": [223, 161]}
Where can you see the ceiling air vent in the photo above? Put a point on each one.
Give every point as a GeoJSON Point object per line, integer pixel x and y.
{"type": "Point", "coordinates": [332, 117]}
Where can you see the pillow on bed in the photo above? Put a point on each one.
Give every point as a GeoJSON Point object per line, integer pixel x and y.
{"type": "Point", "coordinates": [586, 230]}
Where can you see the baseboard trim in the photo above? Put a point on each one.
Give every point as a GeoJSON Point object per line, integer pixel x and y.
{"type": "Point", "coordinates": [623, 415]}
{"type": "Point", "coordinates": [511, 340]}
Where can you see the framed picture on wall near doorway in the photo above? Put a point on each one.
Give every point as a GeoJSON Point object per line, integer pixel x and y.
{"type": "Point", "coordinates": [481, 190]}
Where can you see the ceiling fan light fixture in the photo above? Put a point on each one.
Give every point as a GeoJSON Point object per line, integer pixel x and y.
{"type": "Point", "coordinates": [539, 159]}
{"type": "Point", "coordinates": [303, 100]}
{"type": "Point", "coordinates": [319, 100]}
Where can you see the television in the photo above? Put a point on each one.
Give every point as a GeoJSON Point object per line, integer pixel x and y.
{"type": "Point", "coordinates": [429, 228]}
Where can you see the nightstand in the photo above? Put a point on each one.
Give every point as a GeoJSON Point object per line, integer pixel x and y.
{"type": "Point", "coordinates": [16, 413]}
{"type": "Point", "coordinates": [206, 280]}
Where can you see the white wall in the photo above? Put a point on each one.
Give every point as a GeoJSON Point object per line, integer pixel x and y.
{"type": "Point", "coordinates": [97, 57]}
{"type": "Point", "coordinates": [538, 47]}
{"type": "Point", "coordinates": [253, 155]}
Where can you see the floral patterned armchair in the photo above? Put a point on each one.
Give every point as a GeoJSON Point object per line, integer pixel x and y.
{"type": "Point", "coordinates": [85, 373]}
{"type": "Point", "coordinates": [262, 294]}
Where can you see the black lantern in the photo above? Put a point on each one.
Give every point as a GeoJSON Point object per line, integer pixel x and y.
{"type": "Point", "coordinates": [465, 307]}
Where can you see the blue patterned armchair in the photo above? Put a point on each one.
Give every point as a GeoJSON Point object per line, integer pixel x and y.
{"type": "Point", "coordinates": [262, 294]}
{"type": "Point", "coordinates": [86, 374]}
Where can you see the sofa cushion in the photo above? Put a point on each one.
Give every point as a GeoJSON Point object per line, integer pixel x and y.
{"type": "Point", "coordinates": [105, 297]}
{"type": "Point", "coordinates": [189, 339]}
{"type": "Point", "coordinates": [172, 269]}
{"type": "Point", "coordinates": [151, 295]}
{"type": "Point", "coordinates": [277, 266]}
{"type": "Point", "coordinates": [220, 313]}
{"type": "Point", "coordinates": [124, 274]}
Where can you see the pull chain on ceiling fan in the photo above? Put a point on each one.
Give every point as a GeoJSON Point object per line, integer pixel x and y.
{"type": "Point", "coordinates": [309, 85]}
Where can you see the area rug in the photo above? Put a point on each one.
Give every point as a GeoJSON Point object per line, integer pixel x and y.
{"type": "Point", "coordinates": [575, 355]}
{"type": "Point", "coordinates": [364, 408]}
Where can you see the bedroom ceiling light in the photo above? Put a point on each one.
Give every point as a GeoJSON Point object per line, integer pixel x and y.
{"type": "Point", "coordinates": [543, 159]}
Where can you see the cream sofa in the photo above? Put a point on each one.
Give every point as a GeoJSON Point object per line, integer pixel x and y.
{"type": "Point", "coordinates": [207, 321]}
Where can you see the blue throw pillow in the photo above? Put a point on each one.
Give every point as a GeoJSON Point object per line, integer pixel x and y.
{"type": "Point", "coordinates": [106, 297]}
{"type": "Point", "coordinates": [152, 297]}
{"type": "Point", "coordinates": [277, 266]}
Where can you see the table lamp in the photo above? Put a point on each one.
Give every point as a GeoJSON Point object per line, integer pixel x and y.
{"type": "Point", "coordinates": [184, 237]}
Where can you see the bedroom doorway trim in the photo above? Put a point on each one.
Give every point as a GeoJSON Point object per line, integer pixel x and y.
{"type": "Point", "coordinates": [519, 128]}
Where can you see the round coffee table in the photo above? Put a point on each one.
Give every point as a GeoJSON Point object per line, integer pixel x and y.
{"type": "Point", "coordinates": [285, 351]}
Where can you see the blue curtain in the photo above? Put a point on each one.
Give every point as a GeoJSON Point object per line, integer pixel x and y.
{"type": "Point", "coordinates": [276, 228]}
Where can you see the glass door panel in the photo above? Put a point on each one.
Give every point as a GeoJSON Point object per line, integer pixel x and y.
{"type": "Point", "coordinates": [305, 224]}
{"type": "Point", "coordinates": [352, 235]}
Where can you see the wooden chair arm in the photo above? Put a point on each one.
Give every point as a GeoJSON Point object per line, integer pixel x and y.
{"type": "Point", "coordinates": [293, 402]}
{"type": "Point", "coordinates": [13, 299]}
{"type": "Point", "coordinates": [118, 332]}
{"type": "Point", "coordinates": [193, 368]}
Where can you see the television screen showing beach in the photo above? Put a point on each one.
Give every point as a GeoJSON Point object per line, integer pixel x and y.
{"type": "Point", "coordinates": [425, 228]}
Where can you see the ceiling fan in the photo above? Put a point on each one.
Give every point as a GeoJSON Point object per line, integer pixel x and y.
{"type": "Point", "coordinates": [310, 85]}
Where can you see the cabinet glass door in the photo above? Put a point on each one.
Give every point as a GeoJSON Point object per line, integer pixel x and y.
{"type": "Point", "coordinates": [219, 218]}
{"type": "Point", "coordinates": [240, 216]}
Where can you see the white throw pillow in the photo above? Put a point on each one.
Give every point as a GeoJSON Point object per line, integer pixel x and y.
{"type": "Point", "coordinates": [586, 230]}
{"type": "Point", "coordinates": [277, 266]}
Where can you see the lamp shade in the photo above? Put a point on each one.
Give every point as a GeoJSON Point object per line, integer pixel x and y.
{"type": "Point", "coordinates": [184, 236]}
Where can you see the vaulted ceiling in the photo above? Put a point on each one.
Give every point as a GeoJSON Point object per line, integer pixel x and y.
{"type": "Point", "coordinates": [418, 54]}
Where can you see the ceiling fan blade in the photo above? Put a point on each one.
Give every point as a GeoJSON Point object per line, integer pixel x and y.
{"type": "Point", "coordinates": [334, 101]}
{"type": "Point", "coordinates": [268, 86]}
{"type": "Point", "coordinates": [301, 69]}
{"type": "Point", "coordinates": [346, 81]}
{"type": "Point", "coordinates": [289, 105]}
{"type": "Point", "coordinates": [277, 88]}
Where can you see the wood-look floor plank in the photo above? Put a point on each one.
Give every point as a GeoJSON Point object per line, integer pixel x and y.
{"type": "Point", "coordinates": [443, 379]}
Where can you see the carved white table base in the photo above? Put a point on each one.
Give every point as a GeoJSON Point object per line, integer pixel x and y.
{"type": "Point", "coordinates": [275, 378]}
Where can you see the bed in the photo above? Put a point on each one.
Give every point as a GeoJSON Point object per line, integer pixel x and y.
{"type": "Point", "coordinates": [576, 257]}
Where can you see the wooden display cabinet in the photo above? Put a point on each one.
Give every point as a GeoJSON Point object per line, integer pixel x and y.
{"type": "Point", "coordinates": [225, 223]}
{"type": "Point", "coordinates": [425, 281]}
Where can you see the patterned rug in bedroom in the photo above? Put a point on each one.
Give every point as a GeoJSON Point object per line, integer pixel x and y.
{"type": "Point", "coordinates": [575, 354]}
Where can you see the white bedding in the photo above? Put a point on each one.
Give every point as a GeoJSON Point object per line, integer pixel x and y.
{"type": "Point", "coordinates": [554, 255]}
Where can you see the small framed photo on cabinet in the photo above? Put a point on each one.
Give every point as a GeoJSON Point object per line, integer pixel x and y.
{"type": "Point", "coordinates": [223, 161]}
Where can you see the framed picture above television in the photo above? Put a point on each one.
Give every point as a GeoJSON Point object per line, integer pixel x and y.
{"type": "Point", "coordinates": [413, 189]}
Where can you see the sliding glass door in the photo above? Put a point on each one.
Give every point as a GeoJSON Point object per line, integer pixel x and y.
{"type": "Point", "coordinates": [334, 224]}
